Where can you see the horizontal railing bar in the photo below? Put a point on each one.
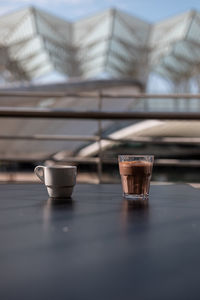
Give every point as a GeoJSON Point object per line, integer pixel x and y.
{"type": "Point", "coordinates": [165, 162]}
{"type": "Point", "coordinates": [44, 94]}
{"type": "Point", "coordinates": [154, 96]}
{"type": "Point", "coordinates": [78, 159]}
{"type": "Point", "coordinates": [157, 162]}
{"type": "Point", "coordinates": [165, 140]}
{"type": "Point", "coordinates": [94, 115]}
{"type": "Point", "coordinates": [177, 162]}
{"type": "Point", "coordinates": [103, 95]}
{"type": "Point", "coordinates": [45, 137]}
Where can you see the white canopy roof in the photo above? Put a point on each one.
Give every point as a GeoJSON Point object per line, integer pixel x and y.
{"type": "Point", "coordinates": [112, 42]}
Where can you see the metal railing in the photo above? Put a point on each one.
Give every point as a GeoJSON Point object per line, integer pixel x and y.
{"type": "Point", "coordinates": [99, 115]}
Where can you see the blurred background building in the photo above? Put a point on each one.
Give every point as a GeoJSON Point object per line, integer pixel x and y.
{"type": "Point", "coordinates": [109, 44]}
{"type": "Point", "coordinates": [96, 58]}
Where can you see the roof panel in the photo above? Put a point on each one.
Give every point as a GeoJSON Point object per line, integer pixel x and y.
{"type": "Point", "coordinates": [171, 30]}
{"type": "Point", "coordinates": [139, 28]}
{"type": "Point", "coordinates": [98, 49]}
{"type": "Point", "coordinates": [112, 59]}
{"type": "Point", "coordinates": [29, 47]}
{"type": "Point", "coordinates": [121, 31]}
{"type": "Point", "coordinates": [186, 50]}
{"type": "Point", "coordinates": [193, 33]}
{"type": "Point", "coordinates": [176, 64]}
{"type": "Point", "coordinates": [100, 31]}
{"type": "Point", "coordinates": [38, 59]}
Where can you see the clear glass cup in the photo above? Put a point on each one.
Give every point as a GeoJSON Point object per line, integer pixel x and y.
{"type": "Point", "coordinates": [135, 171]}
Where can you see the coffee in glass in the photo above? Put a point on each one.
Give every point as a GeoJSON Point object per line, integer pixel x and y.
{"type": "Point", "coordinates": [135, 171]}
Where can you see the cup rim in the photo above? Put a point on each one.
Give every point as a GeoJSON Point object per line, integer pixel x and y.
{"type": "Point", "coordinates": [60, 167]}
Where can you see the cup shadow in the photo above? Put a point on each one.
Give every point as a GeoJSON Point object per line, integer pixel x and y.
{"type": "Point", "coordinates": [134, 212]}
{"type": "Point", "coordinates": [56, 202]}
{"type": "Point", "coordinates": [56, 209]}
{"type": "Point", "coordinates": [130, 205]}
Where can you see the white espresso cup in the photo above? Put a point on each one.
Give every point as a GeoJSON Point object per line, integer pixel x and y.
{"type": "Point", "coordinates": [59, 180]}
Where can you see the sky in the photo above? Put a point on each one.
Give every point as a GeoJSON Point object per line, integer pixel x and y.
{"type": "Point", "coordinates": [149, 10]}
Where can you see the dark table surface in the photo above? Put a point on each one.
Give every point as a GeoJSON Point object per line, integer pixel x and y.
{"type": "Point", "coordinates": [97, 247]}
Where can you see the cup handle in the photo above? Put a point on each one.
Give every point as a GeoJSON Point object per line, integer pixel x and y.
{"type": "Point", "coordinates": [38, 170]}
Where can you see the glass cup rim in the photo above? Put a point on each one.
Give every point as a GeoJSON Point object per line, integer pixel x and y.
{"type": "Point", "coordinates": [132, 157]}
{"type": "Point", "coordinates": [137, 155]}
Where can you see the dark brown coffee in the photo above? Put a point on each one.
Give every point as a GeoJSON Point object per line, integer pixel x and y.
{"type": "Point", "coordinates": [135, 176]}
